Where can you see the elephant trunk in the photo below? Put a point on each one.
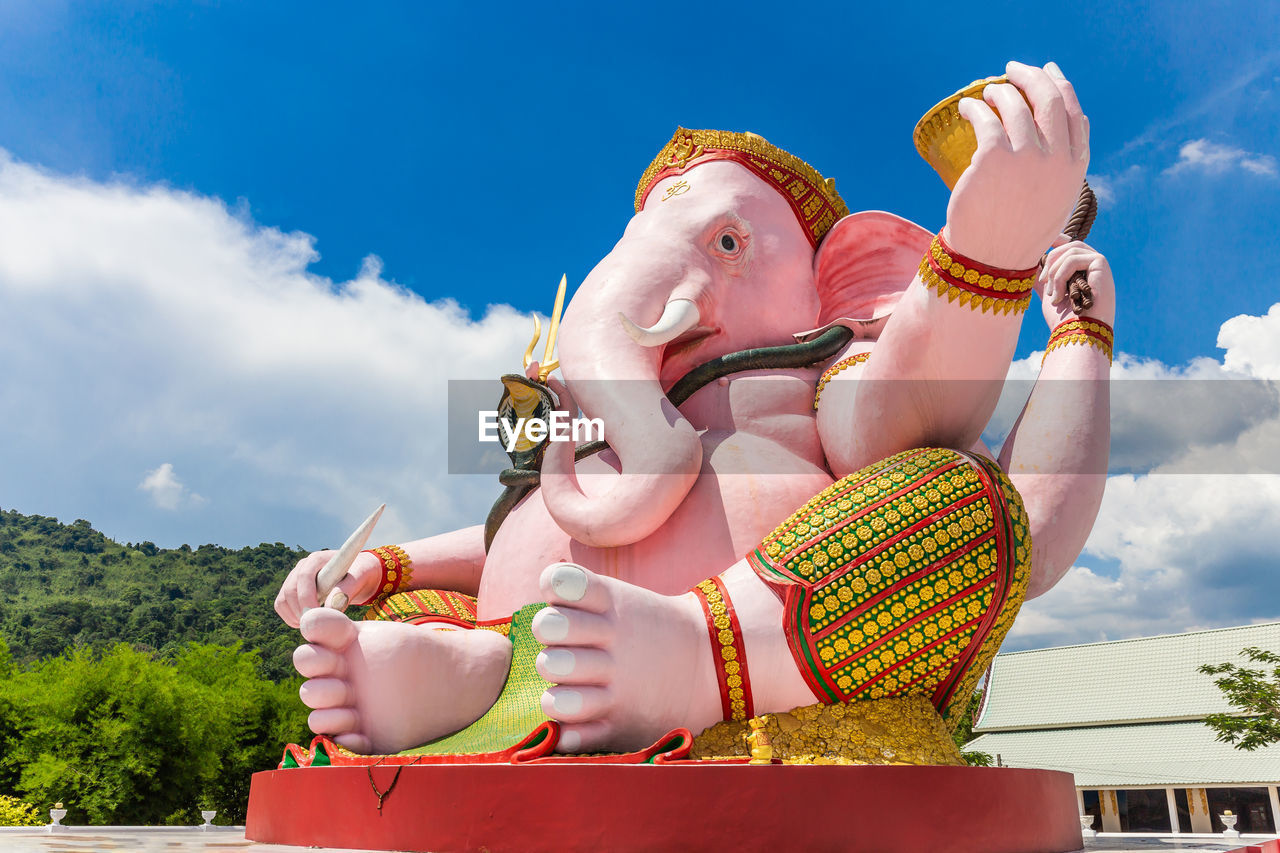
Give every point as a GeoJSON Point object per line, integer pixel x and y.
{"type": "Point", "coordinates": [611, 366]}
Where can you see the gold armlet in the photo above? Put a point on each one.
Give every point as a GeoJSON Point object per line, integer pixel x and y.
{"type": "Point", "coordinates": [1084, 330]}
{"type": "Point", "coordinates": [397, 569]}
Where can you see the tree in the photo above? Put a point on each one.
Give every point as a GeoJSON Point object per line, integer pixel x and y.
{"type": "Point", "coordinates": [1255, 693]}
{"type": "Point", "coordinates": [963, 732]}
{"type": "Point", "coordinates": [125, 738]}
{"type": "Point", "coordinates": [14, 812]}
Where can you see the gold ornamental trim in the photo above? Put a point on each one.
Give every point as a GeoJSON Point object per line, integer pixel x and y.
{"type": "Point", "coordinates": [813, 198]}
{"type": "Point", "coordinates": [898, 730]}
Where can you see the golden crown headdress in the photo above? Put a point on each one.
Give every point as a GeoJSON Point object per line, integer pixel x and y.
{"type": "Point", "coordinates": [812, 197]}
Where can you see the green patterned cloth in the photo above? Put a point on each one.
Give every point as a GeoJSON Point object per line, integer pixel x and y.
{"type": "Point", "coordinates": [518, 710]}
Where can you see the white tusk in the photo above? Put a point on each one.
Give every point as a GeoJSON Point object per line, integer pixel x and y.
{"type": "Point", "coordinates": [678, 317]}
{"type": "Point", "coordinates": [336, 569]}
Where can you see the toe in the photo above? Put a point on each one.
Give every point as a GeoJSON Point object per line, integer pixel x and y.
{"type": "Point", "coordinates": [328, 628]}
{"type": "Point", "coordinates": [571, 584]}
{"type": "Point", "coordinates": [321, 693]}
{"type": "Point", "coordinates": [575, 666]}
{"type": "Point", "coordinates": [356, 743]}
{"type": "Point", "coordinates": [565, 626]}
{"type": "Point", "coordinates": [317, 662]}
{"type": "Point", "coordinates": [584, 737]}
{"type": "Point", "coordinates": [333, 721]}
{"type": "Point", "coordinates": [578, 704]}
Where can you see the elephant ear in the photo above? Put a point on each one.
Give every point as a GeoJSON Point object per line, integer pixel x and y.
{"type": "Point", "coordinates": [864, 265]}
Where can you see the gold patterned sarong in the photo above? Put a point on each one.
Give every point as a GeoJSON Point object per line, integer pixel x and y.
{"type": "Point", "coordinates": [902, 579]}
{"type": "Point", "coordinates": [419, 606]}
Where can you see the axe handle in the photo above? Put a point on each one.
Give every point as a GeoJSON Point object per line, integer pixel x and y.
{"type": "Point", "coordinates": [1077, 229]}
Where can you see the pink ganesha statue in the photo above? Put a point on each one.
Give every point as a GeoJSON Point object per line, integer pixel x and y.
{"type": "Point", "coordinates": [795, 515]}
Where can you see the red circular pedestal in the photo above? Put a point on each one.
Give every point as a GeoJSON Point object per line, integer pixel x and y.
{"type": "Point", "coordinates": [563, 807]}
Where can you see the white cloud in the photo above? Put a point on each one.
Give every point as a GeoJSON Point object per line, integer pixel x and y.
{"type": "Point", "coordinates": [1088, 607]}
{"type": "Point", "coordinates": [1190, 542]}
{"type": "Point", "coordinates": [1110, 188]}
{"type": "Point", "coordinates": [1253, 344]}
{"type": "Point", "coordinates": [142, 322]}
{"type": "Point", "coordinates": [166, 490]}
{"type": "Point", "coordinates": [1212, 158]}
{"type": "Point", "coordinates": [1215, 402]}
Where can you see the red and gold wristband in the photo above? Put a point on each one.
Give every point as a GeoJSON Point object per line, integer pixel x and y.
{"type": "Point", "coordinates": [976, 285]}
{"type": "Point", "coordinates": [1083, 330]}
{"type": "Point", "coordinates": [727, 649]}
{"type": "Point", "coordinates": [397, 570]}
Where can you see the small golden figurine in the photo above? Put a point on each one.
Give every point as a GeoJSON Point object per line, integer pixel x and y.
{"type": "Point", "coordinates": [758, 741]}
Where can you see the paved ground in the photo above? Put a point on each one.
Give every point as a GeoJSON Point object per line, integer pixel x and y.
{"type": "Point", "coordinates": [1116, 843]}
{"type": "Point", "coordinates": [123, 839]}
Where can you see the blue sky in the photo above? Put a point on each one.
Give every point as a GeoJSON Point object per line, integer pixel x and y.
{"type": "Point", "coordinates": [245, 226]}
{"type": "Point", "coordinates": [433, 133]}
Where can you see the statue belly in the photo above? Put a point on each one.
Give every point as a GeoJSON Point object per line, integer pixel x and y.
{"type": "Point", "coordinates": [747, 487]}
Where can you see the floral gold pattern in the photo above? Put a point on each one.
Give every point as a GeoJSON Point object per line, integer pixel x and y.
{"type": "Point", "coordinates": [903, 578]}
{"type": "Point", "coordinates": [396, 570]}
{"type": "Point", "coordinates": [424, 605]}
{"type": "Point", "coordinates": [726, 649]}
{"type": "Point", "coordinates": [946, 139]}
{"type": "Point", "coordinates": [1086, 331]}
{"type": "Point", "coordinates": [831, 371]}
{"type": "Point", "coordinates": [976, 285]}
{"type": "Point", "coordinates": [901, 730]}
{"type": "Point", "coordinates": [813, 199]}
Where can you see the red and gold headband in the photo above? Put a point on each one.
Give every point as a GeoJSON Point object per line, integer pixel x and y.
{"type": "Point", "coordinates": [813, 198]}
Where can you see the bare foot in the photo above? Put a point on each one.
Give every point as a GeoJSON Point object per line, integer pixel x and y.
{"type": "Point", "coordinates": [382, 687]}
{"type": "Point", "coordinates": [629, 664]}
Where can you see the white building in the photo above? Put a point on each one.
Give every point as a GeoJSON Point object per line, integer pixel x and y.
{"type": "Point", "coordinates": [1126, 718]}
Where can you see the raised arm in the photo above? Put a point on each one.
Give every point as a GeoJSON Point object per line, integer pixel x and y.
{"type": "Point", "coordinates": [451, 560]}
{"type": "Point", "coordinates": [1057, 452]}
{"type": "Point", "coordinates": [937, 369]}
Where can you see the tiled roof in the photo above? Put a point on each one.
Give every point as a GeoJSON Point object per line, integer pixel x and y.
{"type": "Point", "coordinates": [1126, 681]}
{"type": "Point", "coordinates": [1152, 754]}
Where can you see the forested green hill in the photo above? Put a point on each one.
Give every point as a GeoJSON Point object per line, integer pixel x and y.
{"type": "Point", "coordinates": [65, 585]}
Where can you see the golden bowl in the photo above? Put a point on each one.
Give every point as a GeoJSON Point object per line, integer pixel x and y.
{"type": "Point", "coordinates": [945, 139]}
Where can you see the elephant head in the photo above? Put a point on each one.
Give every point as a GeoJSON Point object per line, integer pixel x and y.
{"type": "Point", "coordinates": [721, 256]}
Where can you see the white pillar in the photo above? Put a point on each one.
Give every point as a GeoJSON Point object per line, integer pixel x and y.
{"type": "Point", "coordinates": [1275, 808]}
{"type": "Point", "coordinates": [1173, 809]}
{"type": "Point", "coordinates": [1080, 799]}
{"type": "Point", "coordinates": [1198, 803]}
{"type": "Point", "coordinates": [1110, 810]}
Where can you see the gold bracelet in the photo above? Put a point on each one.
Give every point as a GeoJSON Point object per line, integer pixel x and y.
{"type": "Point", "coordinates": [830, 372]}
{"type": "Point", "coordinates": [1083, 330]}
{"type": "Point", "coordinates": [976, 285]}
{"type": "Point", "coordinates": [397, 569]}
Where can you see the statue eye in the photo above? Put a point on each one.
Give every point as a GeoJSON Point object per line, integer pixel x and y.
{"type": "Point", "coordinates": [729, 243]}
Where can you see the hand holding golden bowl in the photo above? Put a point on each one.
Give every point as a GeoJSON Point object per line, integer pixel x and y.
{"type": "Point", "coordinates": [1014, 151]}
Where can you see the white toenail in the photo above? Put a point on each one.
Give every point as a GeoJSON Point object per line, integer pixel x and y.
{"type": "Point", "coordinates": [569, 582]}
{"type": "Point", "coordinates": [567, 702]}
{"type": "Point", "coordinates": [570, 741]}
{"type": "Point", "coordinates": [557, 661]}
{"type": "Point", "coordinates": [551, 626]}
